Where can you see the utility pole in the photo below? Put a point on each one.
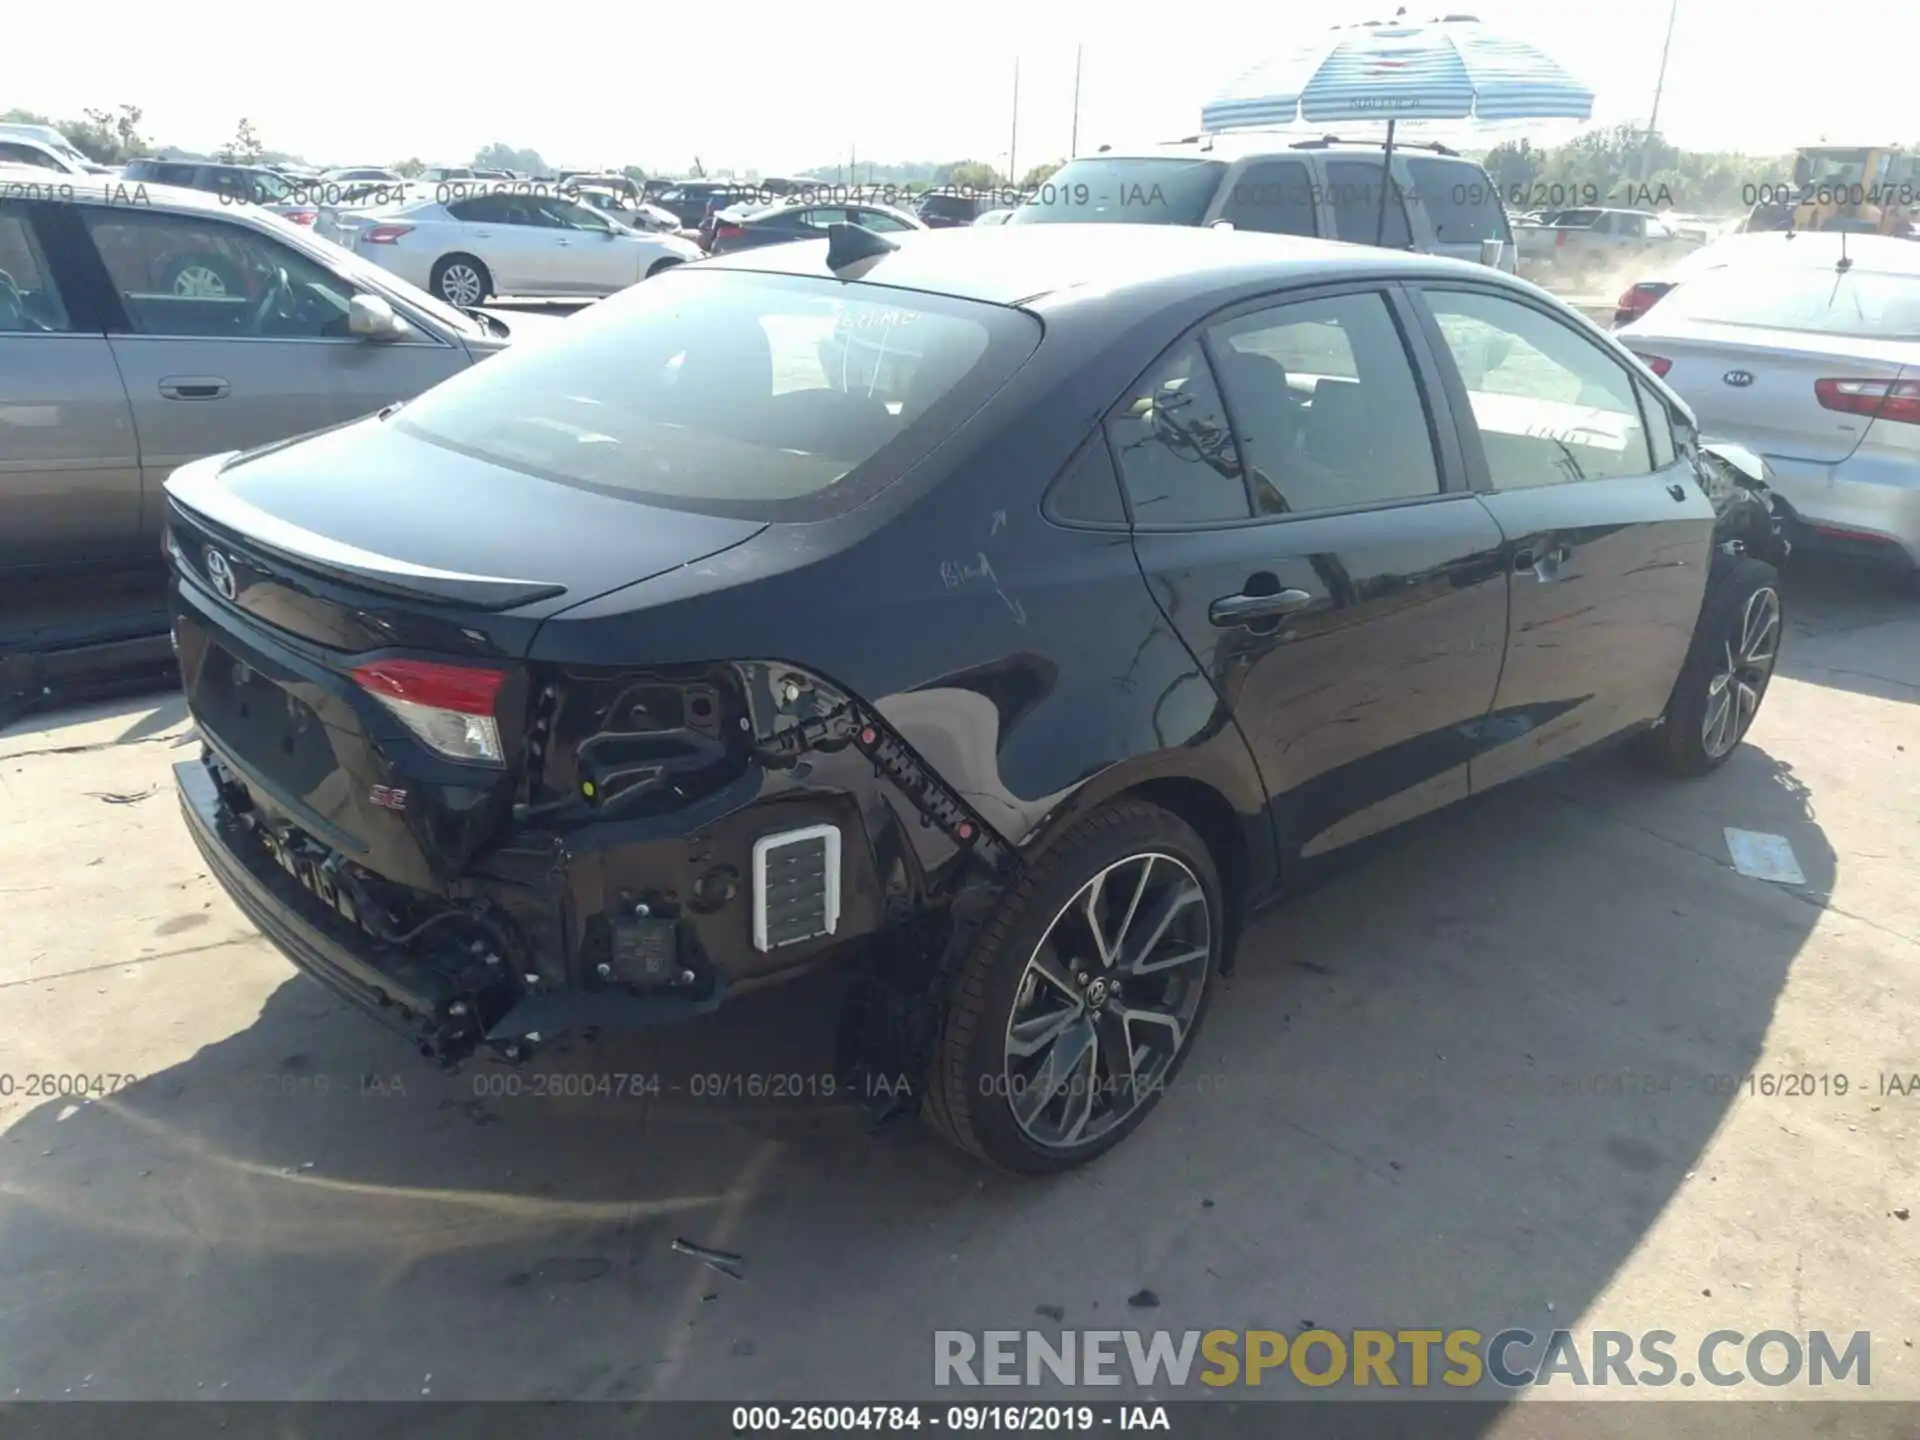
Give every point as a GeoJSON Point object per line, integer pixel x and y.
{"type": "Point", "coordinates": [1013, 141]}
{"type": "Point", "coordinates": [1073, 146]}
{"type": "Point", "coordinates": [1659, 84]}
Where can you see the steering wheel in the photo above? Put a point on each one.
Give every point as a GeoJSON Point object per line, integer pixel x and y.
{"type": "Point", "coordinates": [13, 308]}
{"type": "Point", "coordinates": [277, 301]}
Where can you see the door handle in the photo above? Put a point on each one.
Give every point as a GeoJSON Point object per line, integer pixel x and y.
{"type": "Point", "coordinates": [1231, 610]}
{"type": "Point", "coordinates": [483, 234]}
{"type": "Point", "coordinates": [1677, 491]}
{"type": "Point", "coordinates": [194, 387]}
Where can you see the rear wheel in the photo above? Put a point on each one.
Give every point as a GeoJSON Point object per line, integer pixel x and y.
{"type": "Point", "coordinates": [1081, 997]}
{"type": "Point", "coordinates": [1728, 668]}
{"type": "Point", "coordinates": [460, 280]}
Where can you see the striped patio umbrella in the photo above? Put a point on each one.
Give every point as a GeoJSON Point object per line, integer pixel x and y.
{"type": "Point", "coordinates": [1450, 69]}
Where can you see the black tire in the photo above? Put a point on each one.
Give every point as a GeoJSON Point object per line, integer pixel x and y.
{"type": "Point", "coordinates": [970, 1087]}
{"type": "Point", "coordinates": [449, 269]}
{"type": "Point", "coordinates": [1716, 664]}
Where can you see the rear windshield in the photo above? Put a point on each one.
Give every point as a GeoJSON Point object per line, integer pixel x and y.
{"type": "Point", "coordinates": [1864, 303]}
{"type": "Point", "coordinates": [759, 396]}
{"type": "Point", "coordinates": [1460, 200]}
{"type": "Point", "coordinates": [1136, 191]}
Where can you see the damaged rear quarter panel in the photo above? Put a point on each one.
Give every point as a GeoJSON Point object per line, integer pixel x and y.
{"type": "Point", "coordinates": [1024, 661]}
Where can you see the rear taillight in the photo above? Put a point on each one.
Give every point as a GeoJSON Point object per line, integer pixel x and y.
{"type": "Point", "coordinates": [1559, 238]}
{"type": "Point", "coordinates": [1897, 400]}
{"type": "Point", "coordinates": [302, 217]}
{"type": "Point", "coordinates": [728, 232]}
{"type": "Point", "coordinates": [449, 707]}
{"type": "Point", "coordinates": [383, 234]}
{"type": "Point", "coordinates": [1658, 364]}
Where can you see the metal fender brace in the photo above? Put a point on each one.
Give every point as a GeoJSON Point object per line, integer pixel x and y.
{"type": "Point", "coordinates": [890, 1022]}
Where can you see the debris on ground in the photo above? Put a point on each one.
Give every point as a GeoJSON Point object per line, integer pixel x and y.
{"type": "Point", "coordinates": [1055, 1313]}
{"type": "Point", "coordinates": [725, 1261]}
{"type": "Point", "coordinates": [116, 797]}
{"type": "Point", "coordinates": [1761, 856]}
{"type": "Point", "coordinates": [1143, 1300]}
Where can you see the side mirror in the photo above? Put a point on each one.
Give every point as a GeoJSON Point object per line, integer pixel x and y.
{"type": "Point", "coordinates": [372, 318]}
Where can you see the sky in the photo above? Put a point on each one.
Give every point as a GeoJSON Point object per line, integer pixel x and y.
{"type": "Point", "coordinates": [777, 87]}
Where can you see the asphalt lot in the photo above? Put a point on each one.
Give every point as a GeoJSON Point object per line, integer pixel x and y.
{"type": "Point", "coordinates": [1390, 1118]}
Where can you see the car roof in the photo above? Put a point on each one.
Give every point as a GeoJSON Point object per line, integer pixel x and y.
{"type": "Point", "coordinates": [1253, 145]}
{"type": "Point", "coordinates": [1016, 264]}
{"type": "Point", "coordinates": [115, 189]}
{"type": "Point", "coordinates": [1818, 249]}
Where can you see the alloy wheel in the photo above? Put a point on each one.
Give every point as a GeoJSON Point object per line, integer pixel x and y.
{"type": "Point", "coordinates": [1107, 999]}
{"type": "Point", "coordinates": [1739, 680]}
{"type": "Point", "coordinates": [198, 280]}
{"type": "Point", "coordinates": [460, 284]}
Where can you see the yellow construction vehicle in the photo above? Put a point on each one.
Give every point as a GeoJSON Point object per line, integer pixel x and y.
{"type": "Point", "coordinates": [1868, 189]}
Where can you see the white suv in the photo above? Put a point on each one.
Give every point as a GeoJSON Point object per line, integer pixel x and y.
{"type": "Point", "coordinates": [1440, 203]}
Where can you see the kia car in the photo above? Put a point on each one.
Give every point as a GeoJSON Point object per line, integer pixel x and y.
{"type": "Point", "coordinates": [664, 661]}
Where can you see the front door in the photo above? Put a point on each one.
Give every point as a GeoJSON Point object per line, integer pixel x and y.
{"type": "Point", "coordinates": [1607, 533]}
{"type": "Point", "coordinates": [1302, 518]}
{"type": "Point", "coordinates": [227, 338]}
{"type": "Point", "coordinates": [69, 465]}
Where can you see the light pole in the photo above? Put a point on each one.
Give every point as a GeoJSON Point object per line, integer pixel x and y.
{"type": "Point", "coordinates": [1013, 141]}
{"type": "Point", "coordinates": [1073, 145]}
{"type": "Point", "coordinates": [1659, 84]}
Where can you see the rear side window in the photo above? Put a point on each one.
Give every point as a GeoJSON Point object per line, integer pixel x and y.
{"type": "Point", "coordinates": [762, 396]}
{"type": "Point", "coordinates": [1459, 199]}
{"type": "Point", "coordinates": [1176, 452]}
{"type": "Point", "coordinates": [27, 155]}
{"type": "Point", "coordinates": [1325, 405]}
{"type": "Point", "coordinates": [1274, 197]}
{"type": "Point", "coordinates": [1355, 186]}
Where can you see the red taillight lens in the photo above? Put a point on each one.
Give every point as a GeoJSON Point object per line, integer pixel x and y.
{"type": "Point", "coordinates": [1658, 364]}
{"type": "Point", "coordinates": [302, 217]}
{"type": "Point", "coordinates": [1559, 239]}
{"type": "Point", "coordinates": [384, 234]}
{"type": "Point", "coordinates": [449, 707]}
{"type": "Point", "coordinates": [728, 232]}
{"type": "Point", "coordinates": [1897, 400]}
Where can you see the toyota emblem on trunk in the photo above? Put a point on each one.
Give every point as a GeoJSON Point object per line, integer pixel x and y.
{"type": "Point", "coordinates": [1739, 379]}
{"type": "Point", "coordinates": [221, 574]}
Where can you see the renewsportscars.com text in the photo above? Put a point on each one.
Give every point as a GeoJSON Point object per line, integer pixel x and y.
{"type": "Point", "coordinates": [1393, 1359]}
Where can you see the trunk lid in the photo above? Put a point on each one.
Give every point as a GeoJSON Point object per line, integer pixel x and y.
{"type": "Point", "coordinates": [1755, 385]}
{"type": "Point", "coordinates": [298, 565]}
{"type": "Point", "coordinates": [354, 535]}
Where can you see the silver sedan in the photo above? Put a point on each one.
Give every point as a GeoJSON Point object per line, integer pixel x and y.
{"type": "Point", "coordinates": [510, 242]}
{"type": "Point", "coordinates": [1810, 356]}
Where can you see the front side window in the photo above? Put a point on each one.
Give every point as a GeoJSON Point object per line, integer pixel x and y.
{"type": "Point", "coordinates": [762, 396]}
{"type": "Point", "coordinates": [1177, 457]}
{"type": "Point", "coordinates": [188, 275]}
{"type": "Point", "coordinates": [30, 302]}
{"type": "Point", "coordinates": [1325, 406]}
{"type": "Point", "coordinates": [1551, 407]}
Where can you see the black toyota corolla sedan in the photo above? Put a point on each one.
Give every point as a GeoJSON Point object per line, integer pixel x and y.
{"type": "Point", "coordinates": [999, 616]}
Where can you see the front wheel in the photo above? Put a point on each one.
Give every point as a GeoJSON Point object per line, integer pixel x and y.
{"type": "Point", "coordinates": [1080, 999]}
{"type": "Point", "coordinates": [1735, 647]}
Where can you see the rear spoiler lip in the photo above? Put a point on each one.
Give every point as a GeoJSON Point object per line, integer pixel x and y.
{"type": "Point", "coordinates": [194, 492]}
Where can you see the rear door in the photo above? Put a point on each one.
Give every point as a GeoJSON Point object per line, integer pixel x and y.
{"type": "Point", "coordinates": [249, 361]}
{"type": "Point", "coordinates": [1607, 533]}
{"type": "Point", "coordinates": [69, 463]}
{"type": "Point", "coordinates": [1302, 517]}
{"type": "Point", "coordinates": [1274, 197]}
{"type": "Point", "coordinates": [499, 231]}
{"type": "Point", "coordinates": [1355, 190]}
{"type": "Point", "coordinates": [592, 257]}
